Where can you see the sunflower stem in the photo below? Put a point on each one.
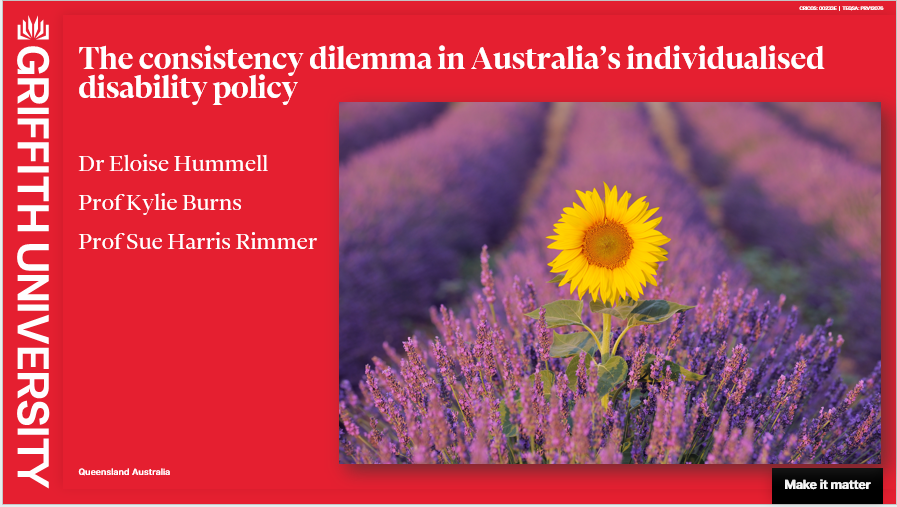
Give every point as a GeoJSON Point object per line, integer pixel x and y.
{"type": "Point", "coordinates": [594, 336]}
{"type": "Point", "coordinates": [605, 349]}
{"type": "Point", "coordinates": [613, 352]}
{"type": "Point", "coordinates": [605, 340]}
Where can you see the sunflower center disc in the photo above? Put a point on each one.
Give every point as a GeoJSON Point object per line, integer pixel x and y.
{"type": "Point", "coordinates": [607, 245]}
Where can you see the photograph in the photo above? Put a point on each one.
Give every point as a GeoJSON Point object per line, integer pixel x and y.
{"type": "Point", "coordinates": [610, 283]}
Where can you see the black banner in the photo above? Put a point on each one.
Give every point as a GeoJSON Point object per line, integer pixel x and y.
{"type": "Point", "coordinates": [828, 485]}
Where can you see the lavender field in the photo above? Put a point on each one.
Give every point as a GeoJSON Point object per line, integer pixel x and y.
{"type": "Point", "coordinates": [450, 351]}
{"type": "Point", "coordinates": [364, 124]}
{"type": "Point", "coordinates": [808, 205]}
{"type": "Point", "coordinates": [414, 209]}
{"type": "Point", "coordinates": [845, 126]}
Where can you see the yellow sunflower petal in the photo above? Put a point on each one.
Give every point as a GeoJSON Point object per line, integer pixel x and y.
{"type": "Point", "coordinates": [574, 220]}
{"type": "Point", "coordinates": [662, 240]}
{"type": "Point", "coordinates": [637, 228]}
{"type": "Point", "coordinates": [591, 279]}
{"type": "Point", "coordinates": [575, 264]}
{"type": "Point", "coordinates": [646, 235]}
{"type": "Point", "coordinates": [577, 280]}
{"type": "Point", "coordinates": [636, 275]}
{"type": "Point", "coordinates": [634, 211]}
{"type": "Point", "coordinates": [610, 202]}
{"type": "Point", "coordinates": [648, 213]}
{"type": "Point", "coordinates": [624, 284]}
{"type": "Point", "coordinates": [599, 204]}
{"type": "Point", "coordinates": [623, 206]}
{"type": "Point", "coordinates": [640, 256]}
{"type": "Point", "coordinates": [564, 257]}
{"type": "Point", "coordinates": [569, 276]}
{"type": "Point", "coordinates": [589, 205]}
{"type": "Point", "coordinates": [583, 214]}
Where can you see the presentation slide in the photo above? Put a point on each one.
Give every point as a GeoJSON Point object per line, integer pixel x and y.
{"type": "Point", "coordinates": [594, 234]}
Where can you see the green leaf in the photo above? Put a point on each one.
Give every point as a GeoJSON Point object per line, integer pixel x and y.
{"type": "Point", "coordinates": [619, 311]}
{"type": "Point", "coordinates": [557, 279]}
{"type": "Point", "coordinates": [509, 429]}
{"type": "Point", "coordinates": [640, 313]}
{"type": "Point", "coordinates": [572, 379]}
{"type": "Point", "coordinates": [635, 397]}
{"type": "Point", "coordinates": [611, 373]}
{"type": "Point", "coordinates": [512, 441]}
{"type": "Point", "coordinates": [547, 381]}
{"type": "Point", "coordinates": [571, 373]}
{"type": "Point", "coordinates": [626, 450]}
{"type": "Point", "coordinates": [675, 368]}
{"type": "Point", "coordinates": [566, 345]}
{"type": "Point", "coordinates": [654, 311]}
{"type": "Point", "coordinates": [563, 312]}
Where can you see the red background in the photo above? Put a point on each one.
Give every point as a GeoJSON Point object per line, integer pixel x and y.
{"type": "Point", "coordinates": [221, 365]}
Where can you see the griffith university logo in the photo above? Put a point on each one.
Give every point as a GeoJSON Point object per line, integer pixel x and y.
{"type": "Point", "coordinates": [33, 31]}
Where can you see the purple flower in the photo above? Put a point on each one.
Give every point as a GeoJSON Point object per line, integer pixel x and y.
{"type": "Point", "coordinates": [635, 368]}
{"type": "Point", "coordinates": [486, 277]}
{"type": "Point", "coordinates": [544, 338]}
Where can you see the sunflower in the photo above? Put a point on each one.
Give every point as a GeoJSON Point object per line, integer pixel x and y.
{"type": "Point", "coordinates": [608, 248]}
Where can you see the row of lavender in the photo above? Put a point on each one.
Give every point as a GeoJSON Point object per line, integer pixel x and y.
{"type": "Point", "coordinates": [487, 392]}
{"type": "Point", "coordinates": [805, 202]}
{"type": "Point", "coordinates": [742, 144]}
{"type": "Point", "coordinates": [412, 209]}
{"type": "Point", "coordinates": [364, 124]}
{"type": "Point", "coordinates": [853, 127]}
